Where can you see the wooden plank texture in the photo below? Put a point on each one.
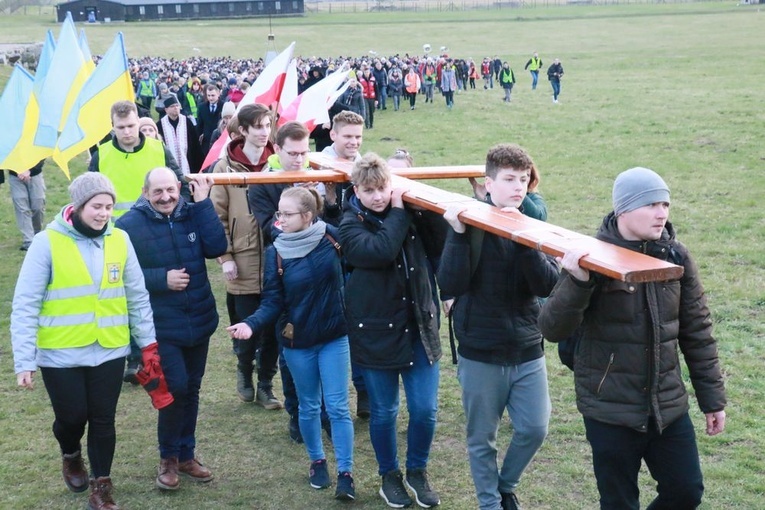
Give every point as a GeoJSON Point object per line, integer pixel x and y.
{"type": "Point", "coordinates": [607, 259]}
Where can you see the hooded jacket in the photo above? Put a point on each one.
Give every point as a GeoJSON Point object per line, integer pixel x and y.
{"type": "Point", "coordinates": [245, 242]}
{"type": "Point", "coordinates": [392, 257]}
{"type": "Point", "coordinates": [184, 239]}
{"type": "Point", "coordinates": [627, 364]}
{"type": "Point", "coordinates": [35, 275]}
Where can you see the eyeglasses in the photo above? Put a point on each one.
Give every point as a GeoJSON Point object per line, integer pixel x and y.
{"type": "Point", "coordinates": [298, 154]}
{"type": "Point", "coordinates": [280, 215]}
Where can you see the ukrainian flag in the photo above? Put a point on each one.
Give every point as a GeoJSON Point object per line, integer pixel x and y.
{"type": "Point", "coordinates": [20, 112]}
{"type": "Point", "coordinates": [85, 49]}
{"type": "Point", "coordinates": [46, 55]}
{"type": "Point", "coordinates": [90, 117]}
{"type": "Point", "coordinates": [57, 90]}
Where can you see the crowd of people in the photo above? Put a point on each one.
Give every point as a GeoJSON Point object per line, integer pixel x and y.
{"type": "Point", "coordinates": [331, 285]}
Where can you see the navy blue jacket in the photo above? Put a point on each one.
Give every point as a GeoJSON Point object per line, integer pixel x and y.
{"type": "Point", "coordinates": [308, 295]}
{"type": "Point", "coordinates": [191, 234]}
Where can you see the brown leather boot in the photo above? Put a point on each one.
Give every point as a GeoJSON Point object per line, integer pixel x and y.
{"type": "Point", "coordinates": [167, 476]}
{"type": "Point", "coordinates": [73, 469]}
{"type": "Point", "coordinates": [195, 470]}
{"type": "Point", "coordinates": [101, 494]}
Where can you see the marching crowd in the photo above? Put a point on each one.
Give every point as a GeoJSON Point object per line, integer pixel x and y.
{"type": "Point", "coordinates": [331, 285]}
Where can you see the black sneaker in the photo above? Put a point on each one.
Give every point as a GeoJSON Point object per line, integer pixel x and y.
{"type": "Point", "coordinates": [510, 501]}
{"type": "Point", "coordinates": [318, 475]}
{"type": "Point", "coordinates": [417, 481]}
{"type": "Point", "coordinates": [393, 490]}
{"type": "Point", "coordinates": [294, 428]}
{"type": "Point", "coordinates": [345, 490]}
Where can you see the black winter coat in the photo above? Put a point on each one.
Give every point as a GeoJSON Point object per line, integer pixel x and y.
{"type": "Point", "coordinates": [495, 313]}
{"type": "Point", "coordinates": [392, 257]}
{"type": "Point", "coordinates": [627, 363]}
{"type": "Point", "coordinates": [191, 234]}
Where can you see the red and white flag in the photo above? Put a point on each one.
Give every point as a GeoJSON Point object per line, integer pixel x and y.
{"type": "Point", "coordinates": [266, 90]}
{"type": "Point", "coordinates": [311, 108]}
{"type": "Point", "coordinates": [290, 89]}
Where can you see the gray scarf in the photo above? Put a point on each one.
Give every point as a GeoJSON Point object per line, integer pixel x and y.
{"type": "Point", "coordinates": [295, 245]}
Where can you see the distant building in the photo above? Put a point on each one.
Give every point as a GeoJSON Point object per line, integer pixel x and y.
{"type": "Point", "coordinates": [154, 10]}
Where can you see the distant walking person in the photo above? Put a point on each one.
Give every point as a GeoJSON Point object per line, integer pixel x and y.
{"type": "Point", "coordinates": [534, 65]}
{"type": "Point", "coordinates": [28, 196]}
{"type": "Point", "coordinates": [554, 74]}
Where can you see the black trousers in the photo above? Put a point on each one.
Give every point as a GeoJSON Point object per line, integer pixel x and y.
{"type": "Point", "coordinates": [672, 458]}
{"type": "Point", "coordinates": [241, 306]}
{"type": "Point", "coordinates": [86, 395]}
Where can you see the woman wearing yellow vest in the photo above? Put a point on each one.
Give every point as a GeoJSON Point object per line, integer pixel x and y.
{"type": "Point", "coordinates": [79, 296]}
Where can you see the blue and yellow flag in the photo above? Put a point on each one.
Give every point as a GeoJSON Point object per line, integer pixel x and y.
{"type": "Point", "coordinates": [46, 55]}
{"type": "Point", "coordinates": [20, 113]}
{"type": "Point", "coordinates": [85, 49]}
{"type": "Point", "coordinates": [56, 91]}
{"type": "Point", "coordinates": [89, 120]}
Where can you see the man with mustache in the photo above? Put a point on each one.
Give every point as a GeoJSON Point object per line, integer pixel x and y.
{"type": "Point", "coordinates": [172, 238]}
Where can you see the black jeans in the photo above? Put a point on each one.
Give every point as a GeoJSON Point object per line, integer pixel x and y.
{"type": "Point", "coordinates": [672, 458]}
{"type": "Point", "coordinates": [241, 306]}
{"type": "Point", "coordinates": [86, 395]}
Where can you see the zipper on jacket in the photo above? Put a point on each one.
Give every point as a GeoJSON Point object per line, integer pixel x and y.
{"type": "Point", "coordinates": [608, 369]}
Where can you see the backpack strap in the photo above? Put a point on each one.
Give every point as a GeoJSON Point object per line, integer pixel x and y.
{"type": "Point", "coordinates": [335, 244]}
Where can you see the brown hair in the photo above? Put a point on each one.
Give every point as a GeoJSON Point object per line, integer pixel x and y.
{"type": "Point", "coordinates": [371, 170]}
{"type": "Point", "coordinates": [309, 199]}
{"type": "Point", "coordinates": [346, 117]}
{"type": "Point", "coordinates": [508, 155]}
{"type": "Point", "coordinates": [292, 130]}
{"type": "Point", "coordinates": [211, 86]}
{"type": "Point", "coordinates": [252, 114]}
{"type": "Point", "coordinates": [122, 109]}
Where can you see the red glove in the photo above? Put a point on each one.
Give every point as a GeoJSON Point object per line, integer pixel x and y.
{"type": "Point", "coordinates": [152, 378]}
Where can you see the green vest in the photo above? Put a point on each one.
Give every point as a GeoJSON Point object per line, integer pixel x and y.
{"type": "Point", "coordinates": [76, 313]}
{"type": "Point", "coordinates": [192, 104]}
{"type": "Point", "coordinates": [127, 170]}
{"type": "Point", "coordinates": [534, 66]}
{"type": "Point", "coordinates": [145, 89]}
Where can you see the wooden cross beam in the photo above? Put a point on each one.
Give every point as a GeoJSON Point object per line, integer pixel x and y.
{"type": "Point", "coordinates": [604, 258]}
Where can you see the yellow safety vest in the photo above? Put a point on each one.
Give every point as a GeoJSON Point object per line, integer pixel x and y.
{"type": "Point", "coordinates": [534, 66]}
{"type": "Point", "coordinates": [145, 89]}
{"type": "Point", "coordinates": [75, 312]}
{"type": "Point", "coordinates": [127, 170]}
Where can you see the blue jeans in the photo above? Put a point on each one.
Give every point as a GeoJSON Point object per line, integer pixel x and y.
{"type": "Point", "coordinates": [534, 79]}
{"type": "Point", "coordinates": [556, 88]}
{"type": "Point", "coordinates": [487, 390]}
{"type": "Point", "coordinates": [323, 369]}
{"type": "Point", "coordinates": [421, 389]}
{"type": "Point", "coordinates": [396, 102]}
{"type": "Point", "coordinates": [672, 458]}
{"type": "Point", "coordinates": [184, 368]}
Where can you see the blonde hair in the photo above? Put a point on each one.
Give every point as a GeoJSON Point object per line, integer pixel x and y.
{"type": "Point", "coordinates": [370, 170]}
{"type": "Point", "coordinates": [309, 199]}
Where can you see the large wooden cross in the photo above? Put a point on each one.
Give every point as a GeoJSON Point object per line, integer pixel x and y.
{"type": "Point", "coordinates": [605, 258]}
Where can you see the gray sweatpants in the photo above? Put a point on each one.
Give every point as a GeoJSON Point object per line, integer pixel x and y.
{"type": "Point", "coordinates": [487, 390]}
{"type": "Point", "coordinates": [29, 204]}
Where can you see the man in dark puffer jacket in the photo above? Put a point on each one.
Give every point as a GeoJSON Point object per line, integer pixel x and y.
{"type": "Point", "coordinates": [172, 239]}
{"type": "Point", "coordinates": [629, 385]}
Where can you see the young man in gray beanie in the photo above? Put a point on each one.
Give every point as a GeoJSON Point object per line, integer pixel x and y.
{"type": "Point", "coordinates": [627, 371]}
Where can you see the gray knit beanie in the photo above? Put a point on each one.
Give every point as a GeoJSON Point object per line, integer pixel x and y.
{"type": "Point", "coordinates": [638, 187]}
{"type": "Point", "coordinates": [88, 185]}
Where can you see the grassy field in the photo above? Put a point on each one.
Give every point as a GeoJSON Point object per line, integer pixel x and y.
{"type": "Point", "coordinates": [674, 88]}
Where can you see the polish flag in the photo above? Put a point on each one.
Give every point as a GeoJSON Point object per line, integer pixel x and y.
{"type": "Point", "coordinates": [266, 90]}
{"type": "Point", "coordinates": [311, 108]}
{"type": "Point", "coordinates": [290, 89]}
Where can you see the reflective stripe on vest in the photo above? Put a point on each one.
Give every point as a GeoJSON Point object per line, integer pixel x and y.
{"type": "Point", "coordinates": [145, 89]}
{"type": "Point", "coordinates": [127, 170]}
{"type": "Point", "coordinates": [75, 311]}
